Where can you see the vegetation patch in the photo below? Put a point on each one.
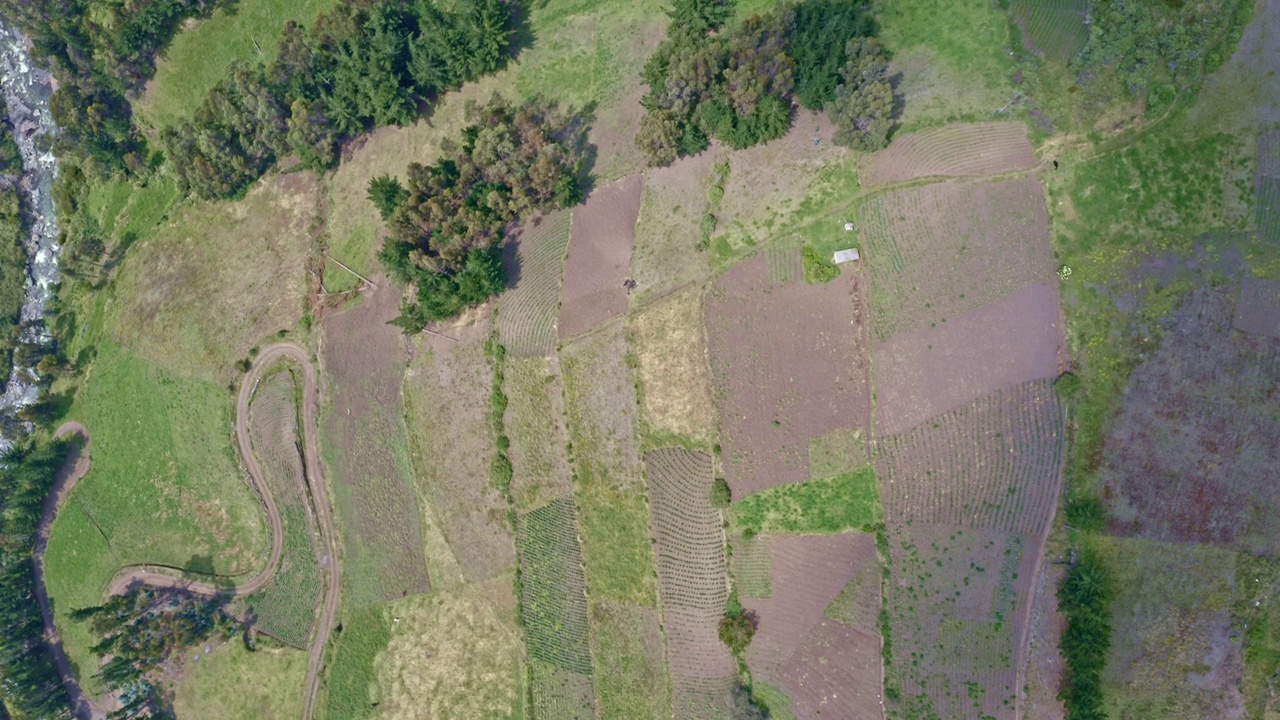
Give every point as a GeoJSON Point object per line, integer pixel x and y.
{"type": "Point", "coordinates": [527, 312]}
{"type": "Point", "coordinates": [232, 682]}
{"type": "Point", "coordinates": [675, 381]}
{"type": "Point", "coordinates": [833, 505]}
{"type": "Point", "coordinates": [553, 600]}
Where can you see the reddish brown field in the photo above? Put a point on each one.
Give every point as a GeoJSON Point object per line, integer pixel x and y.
{"type": "Point", "coordinates": [1044, 665]}
{"type": "Point", "coordinates": [599, 260]}
{"type": "Point", "coordinates": [941, 250]}
{"type": "Point", "coordinates": [1258, 307]}
{"type": "Point", "coordinates": [447, 391]}
{"type": "Point", "coordinates": [689, 544]}
{"type": "Point", "coordinates": [919, 375]}
{"type": "Point", "coordinates": [818, 662]}
{"type": "Point", "coordinates": [363, 359]}
{"type": "Point", "coordinates": [1192, 454]}
{"type": "Point", "coordinates": [974, 150]}
{"type": "Point", "coordinates": [788, 364]}
{"type": "Point", "coordinates": [528, 311]}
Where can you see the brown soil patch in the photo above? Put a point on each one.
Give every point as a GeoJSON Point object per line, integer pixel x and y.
{"type": "Point", "coordinates": [666, 254]}
{"type": "Point", "coordinates": [1258, 307]}
{"type": "Point", "coordinates": [363, 358]}
{"type": "Point", "coordinates": [835, 674]}
{"type": "Point", "coordinates": [528, 312]}
{"type": "Point", "coordinates": [600, 256]}
{"type": "Point", "coordinates": [968, 150]}
{"type": "Point", "coordinates": [535, 424]}
{"type": "Point", "coordinates": [674, 375]}
{"type": "Point", "coordinates": [940, 250]}
{"type": "Point", "coordinates": [924, 373]}
{"type": "Point", "coordinates": [689, 545]}
{"type": "Point", "coordinates": [447, 390]}
{"type": "Point", "coordinates": [789, 364]}
{"type": "Point", "coordinates": [808, 573]}
{"type": "Point", "coordinates": [602, 405]}
{"type": "Point", "coordinates": [1044, 665]}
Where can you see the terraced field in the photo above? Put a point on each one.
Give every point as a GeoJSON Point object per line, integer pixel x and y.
{"type": "Point", "coordinates": [534, 421]}
{"type": "Point", "coordinates": [529, 311]}
{"type": "Point", "coordinates": [957, 150]}
{"type": "Point", "coordinates": [286, 609]}
{"type": "Point", "coordinates": [671, 361]}
{"type": "Point", "coordinates": [1056, 28]}
{"type": "Point", "coordinates": [944, 249]}
{"type": "Point", "coordinates": [554, 607]}
{"type": "Point", "coordinates": [599, 258]}
{"type": "Point", "coordinates": [1267, 184]}
{"type": "Point", "coordinates": [689, 543]}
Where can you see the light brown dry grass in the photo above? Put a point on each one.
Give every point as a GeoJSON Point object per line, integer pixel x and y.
{"type": "Point", "coordinates": [535, 423]}
{"type": "Point", "coordinates": [666, 255]}
{"type": "Point", "coordinates": [673, 370]}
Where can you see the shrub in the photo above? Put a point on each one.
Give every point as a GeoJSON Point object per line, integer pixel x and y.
{"type": "Point", "coordinates": [721, 496]}
{"type": "Point", "coordinates": [386, 193]}
{"type": "Point", "coordinates": [818, 269]}
{"type": "Point", "coordinates": [736, 630]}
{"type": "Point", "coordinates": [1085, 599]}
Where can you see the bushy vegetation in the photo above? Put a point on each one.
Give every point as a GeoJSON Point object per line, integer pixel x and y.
{"type": "Point", "coordinates": [1085, 598]}
{"type": "Point", "coordinates": [863, 107]}
{"type": "Point", "coordinates": [513, 161]}
{"type": "Point", "coordinates": [738, 626]}
{"type": "Point", "coordinates": [12, 256]}
{"type": "Point", "coordinates": [736, 85]}
{"type": "Point", "coordinates": [834, 505]}
{"type": "Point", "coordinates": [721, 495]}
{"type": "Point", "coordinates": [363, 65]}
{"type": "Point", "coordinates": [138, 631]}
{"type": "Point", "coordinates": [32, 686]}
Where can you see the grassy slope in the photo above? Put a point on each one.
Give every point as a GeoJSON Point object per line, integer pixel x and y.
{"type": "Point", "coordinates": [198, 57]}
{"type": "Point", "coordinates": [230, 683]}
{"type": "Point", "coordinates": [833, 505]}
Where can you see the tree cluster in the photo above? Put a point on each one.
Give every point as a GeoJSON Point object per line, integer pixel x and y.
{"type": "Point", "coordinates": [1085, 599]}
{"type": "Point", "coordinates": [512, 161]}
{"type": "Point", "coordinates": [737, 84]}
{"type": "Point", "coordinates": [102, 51]}
{"type": "Point", "coordinates": [31, 686]}
{"type": "Point", "coordinates": [362, 65]}
{"type": "Point", "coordinates": [13, 258]}
{"type": "Point", "coordinates": [137, 633]}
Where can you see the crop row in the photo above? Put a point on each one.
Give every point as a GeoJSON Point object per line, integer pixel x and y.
{"type": "Point", "coordinates": [553, 597]}
{"type": "Point", "coordinates": [974, 150]}
{"type": "Point", "coordinates": [994, 464]}
{"type": "Point", "coordinates": [783, 260]}
{"type": "Point", "coordinates": [1055, 27]}
{"type": "Point", "coordinates": [527, 314]}
{"type": "Point", "coordinates": [559, 694]}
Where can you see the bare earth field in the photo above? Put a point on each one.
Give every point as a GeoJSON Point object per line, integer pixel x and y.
{"type": "Point", "coordinates": [960, 150]}
{"type": "Point", "coordinates": [446, 392]}
{"type": "Point", "coordinates": [788, 364]}
{"type": "Point", "coordinates": [362, 356]}
{"type": "Point", "coordinates": [1191, 456]}
{"type": "Point", "coordinates": [529, 310]}
{"type": "Point", "coordinates": [921, 374]}
{"type": "Point", "coordinates": [1044, 664]}
{"type": "Point", "coordinates": [603, 232]}
{"type": "Point", "coordinates": [1258, 307]}
{"type": "Point", "coordinates": [675, 380]}
{"type": "Point", "coordinates": [821, 663]}
{"type": "Point", "coordinates": [689, 544]}
{"type": "Point", "coordinates": [940, 250]}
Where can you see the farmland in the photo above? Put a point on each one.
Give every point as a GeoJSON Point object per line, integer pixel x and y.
{"type": "Point", "coordinates": [528, 312]}
{"type": "Point", "coordinates": [1056, 28]}
{"type": "Point", "coordinates": [968, 150]}
{"type": "Point", "coordinates": [599, 255]}
{"type": "Point", "coordinates": [670, 349]}
{"type": "Point", "coordinates": [534, 421]}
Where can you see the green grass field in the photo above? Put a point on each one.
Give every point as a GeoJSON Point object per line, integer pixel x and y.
{"type": "Point", "coordinates": [845, 502]}
{"type": "Point", "coordinates": [164, 488]}
{"type": "Point", "coordinates": [199, 56]}
{"type": "Point", "coordinates": [231, 683]}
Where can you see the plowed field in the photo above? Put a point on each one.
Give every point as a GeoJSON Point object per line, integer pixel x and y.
{"type": "Point", "coordinates": [528, 312]}
{"type": "Point", "coordinates": [974, 150]}
{"type": "Point", "coordinates": [599, 260]}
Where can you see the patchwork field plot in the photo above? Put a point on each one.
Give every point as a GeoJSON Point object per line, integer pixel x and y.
{"type": "Point", "coordinates": [285, 610]}
{"type": "Point", "coordinates": [819, 661]}
{"type": "Point", "coordinates": [1056, 28]}
{"type": "Point", "coordinates": [674, 205]}
{"type": "Point", "coordinates": [788, 364]}
{"type": "Point", "coordinates": [1175, 651]}
{"type": "Point", "coordinates": [1190, 456]}
{"type": "Point", "coordinates": [1258, 307]}
{"type": "Point", "coordinates": [554, 598]}
{"type": "Point", "coordinates": [672, 365]}
{"type": "Point", "coordinates": [447, 392]}
{"type": "Point", "coordinates": [940, 250]}
{"type": "Point", "coordinates": [1267, 186]}
{"type": "Point", "coordinates": [832, 505]}
{"type": "Point", "coordinates": [528, 312]}
{"type": "Point", "coordinates": [1016, 339]}
{"type": "Point", "coordinates": [689, 543]}
{"type": "Point", "coordinates": [599, 257]}
{"type": "Point", "coordinates": [993, 464]}
{"type": "Point", "coordinates": [534, 422]}
{"type": "Point", "coordinates": [231, 683]}
{"type": "Point", "coordinates": [956, 602]}
{"type": "Point", "coordinates": [958, 150]}
{"type": "Point", "coordinates": [364, 441]}
{"type": "Point", "coordinates": [559, 694]}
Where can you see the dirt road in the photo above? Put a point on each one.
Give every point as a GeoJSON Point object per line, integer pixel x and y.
{"type": "Point", "coordinates": [171, 577]}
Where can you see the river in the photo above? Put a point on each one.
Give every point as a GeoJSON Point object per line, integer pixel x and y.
{"type": "Point", "coordinates": [26, 91]}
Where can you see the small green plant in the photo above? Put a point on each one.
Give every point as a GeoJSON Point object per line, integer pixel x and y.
{"type": "Point", "coordinates": [721, 496]}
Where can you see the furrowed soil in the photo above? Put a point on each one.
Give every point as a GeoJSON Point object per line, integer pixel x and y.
{"type": "Point", "coordinates": [599, 260]}
{"type": "Point", "coordinates": [534, 421]}
{"type": "Point", "coordinates": [363, 358]}
{"type": "Point", "coordinates": [1057, 29]}
{"type": "Point", "coordinates": [672, 365]}
{"type": "Point", "coordinates": [919, 375]}
{"type": "Point", "coordinates": [960, 150]}
{"type": "Point", "coordinates": [447, 389]}
{"type": "Point", "coordinates": [789, 363]}
{"type": "Point", "coordinates": [692, 580]}
{"type": "Point", "coordinates": [528, 312]}
{"type": "Point", "coordinates": [818, 661]}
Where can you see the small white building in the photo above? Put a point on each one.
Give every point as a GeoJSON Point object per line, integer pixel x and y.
{"type": "Point", "coordinates": [848, 227]}
{"type": "Point", "coordinates": [844, 256]}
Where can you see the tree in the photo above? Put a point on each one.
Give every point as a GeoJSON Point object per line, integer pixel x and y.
{"type": "Point", "coordinates": [311, 137]}
{"type": "Point", "coordinates": [737, 629]}
{"type": "Point", "coordinates": [721, 496]}
{"type": "Point", "coordinates": [659, 137]}
{"type": "Point", "coordinates": [698, 18]}
{"type": "Point", "coordinates": [758, 64]}
{"type": "Point", "coordinates": [386, 193]}
{"type": "Point", "coordinates": [818, 38]}
{"type": "Point", "coordinates": [864, 104]}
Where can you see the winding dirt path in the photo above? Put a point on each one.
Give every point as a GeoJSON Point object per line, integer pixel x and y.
{"type": "Point", "coordinates": [158, 576]}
